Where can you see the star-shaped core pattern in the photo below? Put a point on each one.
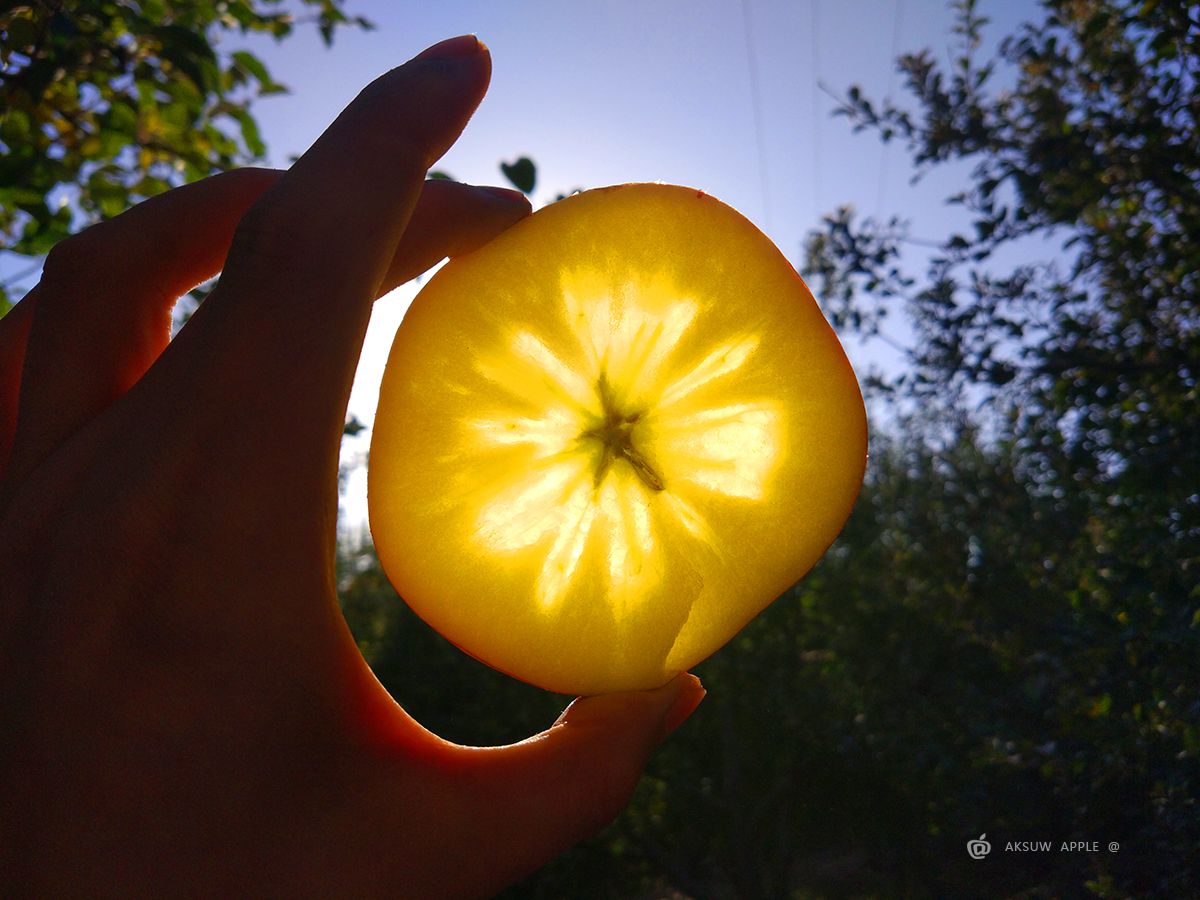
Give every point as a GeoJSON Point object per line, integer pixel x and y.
{"type": "Point", "coordinates": [617, 440]}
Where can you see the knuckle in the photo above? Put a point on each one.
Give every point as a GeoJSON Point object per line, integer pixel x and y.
{"type": "Point", "coordinates": [266, 232]}
{"type": "Point", "coordinates": [249, 176]}
{"type": "Point", "coordinates": [76, 259]}
{"type": "Point", "coordinates": [270, 246]}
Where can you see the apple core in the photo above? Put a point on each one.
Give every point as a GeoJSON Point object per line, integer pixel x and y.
{"type": "Point", "coordinates": [609, 438]}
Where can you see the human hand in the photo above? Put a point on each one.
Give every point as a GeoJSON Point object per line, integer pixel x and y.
{"type": "Point", "coordinates": [182, 707]}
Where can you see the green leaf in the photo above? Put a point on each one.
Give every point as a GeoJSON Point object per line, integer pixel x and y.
{"type": "Point", "coordinates": [251, 64]}
{"type": "Point", "coordinates": [17, 196]}
{"type": "Point", "coordinates": [20, 34]}
{"type": "Point", "coordinates": [14, 128]}
{"type": "Point", "coordinates": [522, 174]}
{"type": "Point", "coordinates": [191, 54]}
{"type": "Point", "coordinates": [250, 133]}
{"type": "Point", "coordinates": [254, 66]}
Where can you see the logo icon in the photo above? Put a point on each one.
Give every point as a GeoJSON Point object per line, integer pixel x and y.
{"type": "Point", "coordinates": [979, 848]}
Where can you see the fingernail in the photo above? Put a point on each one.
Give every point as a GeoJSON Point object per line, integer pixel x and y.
{"type": "Point", "coordinates": [691, 692]}
{"type": "Point", "coordinates": [452, 48]}
{"type": "Point", "coordinates": [670, 705]}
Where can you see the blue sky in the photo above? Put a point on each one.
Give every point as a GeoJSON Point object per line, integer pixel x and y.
{"type": "Point", "coordinates": [606, 92]}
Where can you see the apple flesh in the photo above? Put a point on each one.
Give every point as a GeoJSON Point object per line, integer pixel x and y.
{"type": "Point", "coordinates": [609, 438]}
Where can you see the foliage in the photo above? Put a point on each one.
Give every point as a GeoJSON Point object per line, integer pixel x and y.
{"type": "Point", "coordinates": [1096, 147]}
{"type": "Point", "coordinates": [106, 102]}
{"type": "Point", "coordinates": [1081, 360]}
{"type": "Point", "coordinates": [1096, 144]}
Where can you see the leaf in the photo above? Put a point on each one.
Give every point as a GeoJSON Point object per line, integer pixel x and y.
{"type": "Point", "coordinates": [14, 127]}
{"type": "Point", "coordinates": [250, 133]}
{"type": "Point", "coordinates": [17, 196]}
{"type": "Point", "coordinates": [190, 53]}
{"type": "Point", "coordinates": [522, 174]}
{"type": "Point", "coordinates": [254, 66]}
{"type": "Point", "coordinates": [21, 34]}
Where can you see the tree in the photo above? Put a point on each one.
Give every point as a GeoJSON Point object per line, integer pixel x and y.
{"type": "Point", "coordinates": [1096, 148]}
{"type": "Point", "coordinates": [1081, 367]}
{"type": "Point", "coordinates": [106, 103]}
{"type": "Point", "coordinates": [858, 732]}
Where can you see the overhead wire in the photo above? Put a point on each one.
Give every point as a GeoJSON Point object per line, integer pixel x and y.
{"type": "Point", "coordinates": [885, 146]}
{"type": "Point", "coordinates": [815, 57]}
{"type": "Point", "coordinates": [756, 109]}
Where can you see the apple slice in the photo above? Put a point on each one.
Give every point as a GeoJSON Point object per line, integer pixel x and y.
{"type": "Point", "coordinates": [609, 438]}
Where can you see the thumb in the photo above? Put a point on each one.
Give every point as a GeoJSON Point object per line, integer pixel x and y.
{"type": "Point", "coordinates": [567, 783]}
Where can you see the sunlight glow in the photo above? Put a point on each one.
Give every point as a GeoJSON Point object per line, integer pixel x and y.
{"type": "Point", "coordinates": [531, 371]}
{"type": "Point", "coordinates": [548, 435]}
{"type": "Point", "coordinates": [729, 357]}
{"type": "Point", "coordinates": [630, 336]}
{"type": "Point", "coordinates": [525, 512]}
{"type": "Point", "coordinates": [729, 450]}
{"type": "Point", "coordinates": [562, 560]}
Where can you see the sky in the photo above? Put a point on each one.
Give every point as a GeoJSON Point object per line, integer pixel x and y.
{"type": "Point", "coordinates": [730, 97]}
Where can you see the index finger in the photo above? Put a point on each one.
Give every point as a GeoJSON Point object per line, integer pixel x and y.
{"type": "Point", "coordinates": [279, 338]}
